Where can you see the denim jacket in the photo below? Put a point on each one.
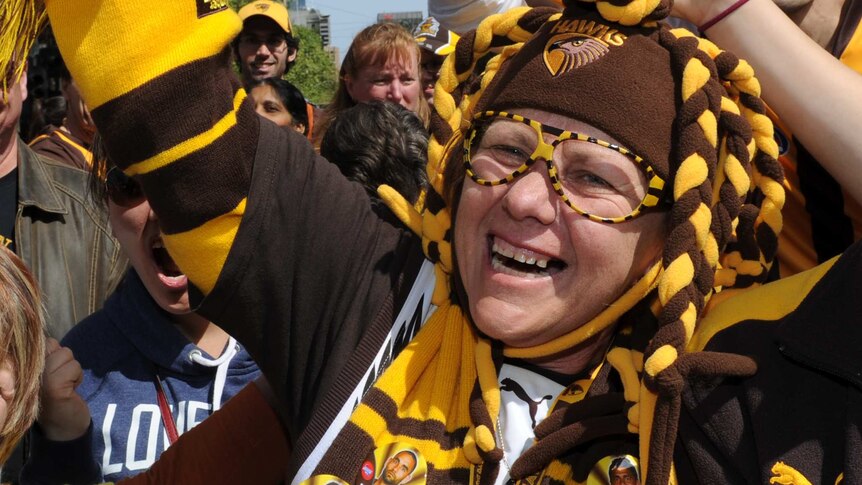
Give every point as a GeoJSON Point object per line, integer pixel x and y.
{"type": "Point", "coordinates": [65, 240]}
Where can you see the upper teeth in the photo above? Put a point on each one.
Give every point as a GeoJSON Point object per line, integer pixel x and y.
{"type": "Point", "coordinates": [158, 244]}
{"type": "Point", "coordinates": [519, 256]}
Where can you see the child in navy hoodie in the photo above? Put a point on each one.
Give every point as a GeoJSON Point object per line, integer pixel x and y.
{"type": "Point", "coordinates": [151, 369]}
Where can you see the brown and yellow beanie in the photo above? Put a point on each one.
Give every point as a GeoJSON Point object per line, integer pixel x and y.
{"type": "Point", "coordinates": [599, 72]}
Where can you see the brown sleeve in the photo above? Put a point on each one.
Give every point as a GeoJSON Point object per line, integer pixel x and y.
{"type": "Point", "coordinates": [243, 442]}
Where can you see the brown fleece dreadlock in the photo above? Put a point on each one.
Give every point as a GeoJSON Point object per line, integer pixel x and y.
{"type": "Point", "coordinates": [727, 196]}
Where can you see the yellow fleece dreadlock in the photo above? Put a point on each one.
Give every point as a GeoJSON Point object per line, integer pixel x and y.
{"type": "Point", "coordinates": [21, 22]}
{"type": "Point", "coordinates": [727, 206]}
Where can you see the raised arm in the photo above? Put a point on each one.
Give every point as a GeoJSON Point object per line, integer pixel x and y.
{"type": "Point", "coordinates": [171, 111]}
{"type": "Point", "coordinates": [814, 94]}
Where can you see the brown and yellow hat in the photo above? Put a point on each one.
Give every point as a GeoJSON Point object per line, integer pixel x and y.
{"type": "Point", "coordinates": [691, 110]}
{"type": "Point", "coordinates": [585, 67]}
{"type": "Point", "coordinates": [434, 38]}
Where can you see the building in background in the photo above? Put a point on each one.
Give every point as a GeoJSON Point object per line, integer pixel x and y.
{"type": "Point", "coordinates": [410, 20]}
{"type": "Point", "coordinates": [317, 22]}
{"type": "Point", "coordinates": [314, 20]}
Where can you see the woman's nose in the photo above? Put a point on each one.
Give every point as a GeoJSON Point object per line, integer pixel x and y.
{"type": "Point", "coordinates": [531, 196]}
{"type": "Point", "coordinates": [395, 93]}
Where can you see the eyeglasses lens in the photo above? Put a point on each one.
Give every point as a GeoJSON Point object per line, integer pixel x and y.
{"type": "Point", "coordinates": [592, 175]}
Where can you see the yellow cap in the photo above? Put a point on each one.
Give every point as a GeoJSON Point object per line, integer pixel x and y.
{"type": "Point", "coordinates": [267, 8]}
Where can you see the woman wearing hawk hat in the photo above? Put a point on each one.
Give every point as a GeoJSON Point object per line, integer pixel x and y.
{"type": "Point", "coordinates": [543, 314]}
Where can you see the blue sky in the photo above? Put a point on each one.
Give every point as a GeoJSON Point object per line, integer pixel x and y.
{"type": "Point", "coordinates": [347, 17]}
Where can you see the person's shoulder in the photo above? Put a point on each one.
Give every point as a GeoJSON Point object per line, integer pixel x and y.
{"type": "Point", "coordinates": [69, 179]}
{"type": "Point", "coordinates": [70, 183]}
{"type": "Point", "coordinates": [776, 301]}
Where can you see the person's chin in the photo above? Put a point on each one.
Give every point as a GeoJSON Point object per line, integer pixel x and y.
{"type": "Point", "coordinates": [259, 74]}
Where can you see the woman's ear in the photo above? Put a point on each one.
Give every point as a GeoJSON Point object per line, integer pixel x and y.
{"type": "Point", "coordinates": [300, 127]}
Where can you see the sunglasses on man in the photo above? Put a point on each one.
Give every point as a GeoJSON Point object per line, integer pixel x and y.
{"type": "Point", "coordinates": [123, 190]}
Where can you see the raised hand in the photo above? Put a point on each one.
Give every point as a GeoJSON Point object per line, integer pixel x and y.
{"type": "Point", "coordinates": [64, 415]}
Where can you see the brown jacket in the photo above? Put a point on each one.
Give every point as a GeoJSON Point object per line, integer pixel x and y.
{"type": "Point", "coordinates": [65, 240]}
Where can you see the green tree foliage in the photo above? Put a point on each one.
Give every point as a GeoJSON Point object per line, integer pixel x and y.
{"type": "Point", "coordinates": [314, 72]}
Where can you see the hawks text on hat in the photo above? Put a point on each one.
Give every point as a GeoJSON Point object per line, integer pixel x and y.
{"type": "Point", "coordinates": [578, 43]}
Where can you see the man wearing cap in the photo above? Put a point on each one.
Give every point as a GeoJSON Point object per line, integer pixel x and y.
{"type": "Point", "coordinates": [266, 46]}
{"type": "Point", "coordinates": [436, 42]}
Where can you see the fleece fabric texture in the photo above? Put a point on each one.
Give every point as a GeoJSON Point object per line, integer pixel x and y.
{"type": "Point", "coordinates": [121, 349]}
{"type": "Point", "coordinates": [805, 344]}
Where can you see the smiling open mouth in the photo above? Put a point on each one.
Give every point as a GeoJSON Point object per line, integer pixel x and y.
{"type": "Point", "coordinates": [163, 260]}
{"type": "Point", "coordinates": [510, 260]}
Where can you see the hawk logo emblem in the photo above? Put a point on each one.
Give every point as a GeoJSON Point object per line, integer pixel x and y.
{"type": "Point", "coordinates": [429, 27]}
{"type": "Point", "coordinates": [207, 7]}
{"type": "Point", "coordinates": [569, 51]}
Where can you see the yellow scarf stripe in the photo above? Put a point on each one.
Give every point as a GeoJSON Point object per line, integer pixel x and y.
{"type": "Point", "coordinates": [126, 62]}
{"type": "Point", "coordinates": [213, 238]}
{"type": "Point", "coordinates": [191, 145]}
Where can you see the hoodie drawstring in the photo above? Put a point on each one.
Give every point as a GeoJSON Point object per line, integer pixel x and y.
{"type": "Point", "coordinates": [222, 363]}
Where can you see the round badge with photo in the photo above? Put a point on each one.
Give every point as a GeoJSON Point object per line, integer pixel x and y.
{"type": "Point", "coordinates": [615, 470]}
{"type": "Point", "coordinates": [396, 463]}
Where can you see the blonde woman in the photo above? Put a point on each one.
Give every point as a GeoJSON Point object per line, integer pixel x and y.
{"type": "Point", "coordinates": [22, 350]}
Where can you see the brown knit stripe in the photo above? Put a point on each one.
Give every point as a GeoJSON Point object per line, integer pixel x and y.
{"type": "Point", "coordinates": [136, 139]}
{"type": "Point", "coordinates": [209, 182]}
{"type": "Point", "coordinates": [429, 429]}
{"type": "Point", "coordinates": [349, 449]}
{"type": "Point", "coordinates": [489, 472]}
{"type": "Point", "coordinates": [452, 475]}
{"type": "Point", "coordinates": [726, 63]}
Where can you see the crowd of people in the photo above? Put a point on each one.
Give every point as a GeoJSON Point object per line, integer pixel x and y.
{"type": "Point", "coordinates": [533, 241]}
